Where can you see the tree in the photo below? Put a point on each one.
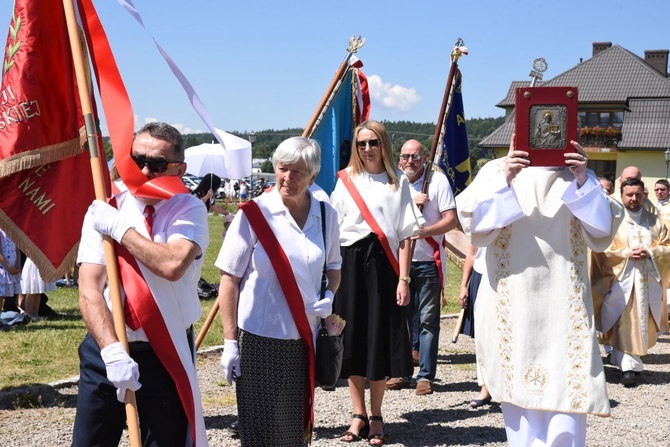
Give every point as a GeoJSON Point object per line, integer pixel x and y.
{"type": "Point", "coordinates": [266, 166]}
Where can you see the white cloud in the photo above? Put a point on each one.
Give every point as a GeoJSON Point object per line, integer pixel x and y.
{"type": "Point", "coordinates": [392, 97]}
{"type": "Point", "coordinates": [187, 130]}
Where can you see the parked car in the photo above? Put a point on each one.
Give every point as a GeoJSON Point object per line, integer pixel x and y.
{"type": "Point", "coordinates": [190, 181]}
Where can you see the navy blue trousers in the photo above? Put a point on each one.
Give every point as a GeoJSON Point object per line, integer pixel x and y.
{"type": "Point", "coordinates": [101, 418]}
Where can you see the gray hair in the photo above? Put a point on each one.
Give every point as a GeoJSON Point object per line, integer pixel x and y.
{"type": "Point", "coordinates": [294, 149]}
{"type": "Point", "coordinates": [165, 132]}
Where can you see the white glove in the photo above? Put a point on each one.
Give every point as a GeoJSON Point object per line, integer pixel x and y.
{"type": "Point", "coordinates": [230, 360]}
{"type": "Point", "coordinates": [122, 371]}
{"type": "Point", "coordinates": [107, 220]}
{"type": "Point", "coordinates": [321, 308]}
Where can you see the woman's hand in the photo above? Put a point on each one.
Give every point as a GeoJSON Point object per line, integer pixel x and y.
{"type": "Point", "coordinates": [402, 293]}
{"type": "Point", "coordinates": [463, 297]}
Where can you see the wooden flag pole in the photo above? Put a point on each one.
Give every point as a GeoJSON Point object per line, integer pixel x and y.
{"type": "Point", "coordinates": [354, 44]}
{"type": "Point", "coordinates": [459, 324]}
{"type": "Point", "coordinates": [100, 194]}
{"type": "Point", "coordinates": [208, 322]}
{"type": "Point", "coordinates": [441, 119]}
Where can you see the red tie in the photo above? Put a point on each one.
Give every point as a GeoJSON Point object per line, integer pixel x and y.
{"type": "Point", "coordinates": [131, 317]}
{"type": "Point", "coordinates": [149, 212]}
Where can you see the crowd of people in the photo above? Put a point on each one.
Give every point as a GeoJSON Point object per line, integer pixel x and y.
{"type": "Point", "coordinates": [239, 191]}
{"type": "Point", "coordinates": [551, 272]}
{"type": "Point", "coordinates": [22, 288]}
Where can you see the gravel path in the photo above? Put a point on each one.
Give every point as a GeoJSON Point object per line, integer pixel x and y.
{"type": "Point", "coordinates": [44, 416]}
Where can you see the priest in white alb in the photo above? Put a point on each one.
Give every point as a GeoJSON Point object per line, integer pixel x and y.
{"type": "Point", "coordinates": [536, 342]}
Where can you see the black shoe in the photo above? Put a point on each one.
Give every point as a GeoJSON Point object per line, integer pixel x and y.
{"type": "Point", "coordinates": [628, 379]}
{"type": "Point", "coordinates": [234, 428]}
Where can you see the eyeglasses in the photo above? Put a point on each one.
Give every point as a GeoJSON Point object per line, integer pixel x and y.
{"type": "Point", "coordinates": [660, 189]}
{"type": "Point", "coordinates": [157, 165]}
{"type": "Point", "coordinates": [408, 157]}
{"type": "Point", "coordinates": [363, 144]}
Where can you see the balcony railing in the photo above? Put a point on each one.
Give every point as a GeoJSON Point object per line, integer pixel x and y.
{"type": "Point", "coordinates": [600, 137]}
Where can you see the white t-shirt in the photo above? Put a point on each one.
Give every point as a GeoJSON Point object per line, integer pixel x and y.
{"type": "Point", "coordinates": [262, 308]}
{"type": "Point", "coordinates": [182, 217]}
{"type": "Point", "coordinates": [440, 199]}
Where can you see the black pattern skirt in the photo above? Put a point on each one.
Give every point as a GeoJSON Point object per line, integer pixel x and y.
{"type": "Point", "coordinates": [271, 391]}
{"type": "Point", "coordinates": [376, 337]}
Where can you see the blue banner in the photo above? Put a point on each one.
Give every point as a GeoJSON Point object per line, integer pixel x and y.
{"type": "Point", "coordinates": [335, 133]}
{"type": "Point", "coordinates": [454, 159]}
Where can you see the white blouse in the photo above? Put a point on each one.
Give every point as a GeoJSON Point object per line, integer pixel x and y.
{"type": "Point", "coordinates": [263, 309]}
{"type": "Point", "coordinates": [401, 217]}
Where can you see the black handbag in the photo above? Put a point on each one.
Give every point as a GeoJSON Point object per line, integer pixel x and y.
{"type": "Point", "coordinates": [329, 348]}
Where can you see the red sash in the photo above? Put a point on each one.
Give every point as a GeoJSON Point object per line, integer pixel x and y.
{"type": "Point", "coordinates": [438, 260]}
{"type": "Point", "coordinates": [143, 305]}
{"type": "Point", "coordinates": [289, 286]}
{"type": "Point", "coordinates": [369, 218]}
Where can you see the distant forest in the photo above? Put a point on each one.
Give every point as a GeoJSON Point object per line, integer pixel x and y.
{"type": "Point", "coordinates": [400, 131]}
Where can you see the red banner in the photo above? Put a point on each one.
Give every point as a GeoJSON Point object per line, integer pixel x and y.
{"type": "Point", "coordinates": [38, 123]}
{"type": "Point", "coordinates": [45, 172]}
{"type": "Point", "coordinates": [42, 210]}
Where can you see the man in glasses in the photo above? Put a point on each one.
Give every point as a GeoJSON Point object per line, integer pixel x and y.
{"type": "Point", "coordinates": [426, 274]}
{"type": "Point", "coordinates": [160, 246]}
{"type": "Point", "coordinates": [662, 191]}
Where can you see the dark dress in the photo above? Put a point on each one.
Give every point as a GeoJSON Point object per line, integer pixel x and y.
{"type": "Point", "coordinates": [376, 335]}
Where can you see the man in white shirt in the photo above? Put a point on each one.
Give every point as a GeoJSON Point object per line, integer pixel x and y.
{"type": "Point", "coordinates": [426, 272]}
{"type": "Point", "coordinates": [163, 242]}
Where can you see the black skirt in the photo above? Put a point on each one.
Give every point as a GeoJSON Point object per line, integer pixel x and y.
{"type": "Point", "coordinates": [271, 391]}
{"type": "Point", "coordinates": [376, 336]}
{"type": "Point", "coordinates": [468, 327]}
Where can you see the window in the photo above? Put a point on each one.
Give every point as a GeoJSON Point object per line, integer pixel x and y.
{"type": "Point", "coordinates": [601, 119]}
{"type": "Point", "coordinates": [603, 168]}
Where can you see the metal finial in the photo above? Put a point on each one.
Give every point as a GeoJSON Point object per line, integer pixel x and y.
{"type": "Point", "coordinates": [355, 42]}
{"type": "Point", "coordinates": [539, 67]}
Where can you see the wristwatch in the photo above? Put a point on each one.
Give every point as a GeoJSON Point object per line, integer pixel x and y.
{"type": "Point", "coordinates": [407, 279]}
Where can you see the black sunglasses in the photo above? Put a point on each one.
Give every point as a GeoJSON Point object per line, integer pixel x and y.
{"type": "Point", "coordinates": [362, 144]}
{"type": "Point", "coordinates": [158, 165]}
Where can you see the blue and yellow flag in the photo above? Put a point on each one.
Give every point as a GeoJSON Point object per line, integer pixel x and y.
{"type": "Point", "coordinates": [454, 159]}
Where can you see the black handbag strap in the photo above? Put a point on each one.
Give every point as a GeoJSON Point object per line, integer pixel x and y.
{"type": "Point", "coordinates": [325, 250]}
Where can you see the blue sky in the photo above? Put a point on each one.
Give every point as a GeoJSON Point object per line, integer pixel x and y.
{"type": "Point", "coordinates": [266, 64]}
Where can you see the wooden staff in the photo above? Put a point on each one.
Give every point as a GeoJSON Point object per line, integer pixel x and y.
{"type": "Point", "coordinates": [208, 322]}
{"type": "Point", "coordinates": [100, 194]}
{"type": "Point", "coordinates": [355, 42]}
{"type": "Point", "coordinates": [441, 120]}
{"type": "Point", "coordinates": [459, 324]}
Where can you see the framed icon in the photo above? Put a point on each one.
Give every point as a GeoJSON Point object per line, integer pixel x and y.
{"type": "Point", "coordinates": [545, 123]}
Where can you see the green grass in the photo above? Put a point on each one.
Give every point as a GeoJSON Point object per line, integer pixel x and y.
{"type": "Point", "coordinates": [46, 351]}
